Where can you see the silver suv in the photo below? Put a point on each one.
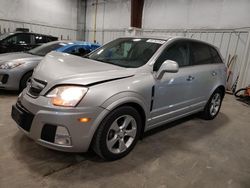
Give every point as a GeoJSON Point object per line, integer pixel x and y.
{"type": "Point", "coordinates": [108, 99]}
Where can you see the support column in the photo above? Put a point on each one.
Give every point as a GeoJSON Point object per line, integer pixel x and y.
{"type": "Point", "coordinates": [136, 13]}
{"type": "Point", "coordinates": [81, 19]}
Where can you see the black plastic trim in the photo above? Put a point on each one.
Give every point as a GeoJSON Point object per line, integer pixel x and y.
{"type": "Point", "coordinates": [152, 98]}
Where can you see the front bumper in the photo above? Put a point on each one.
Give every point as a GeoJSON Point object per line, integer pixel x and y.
{"type": "Point", "coordinates": [42, 114]}
{"type": "Point", "coordinates": [10, 79]}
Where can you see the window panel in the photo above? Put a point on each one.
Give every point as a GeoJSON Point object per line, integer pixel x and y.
{"type": "Point", "coordinates": [201, 54]}
{"type": "Point", "coordinates": [216, 57]}
{"type": "Point", "coordinates": [40, 39]}
{"type": "Point", "coordinates": [178, 52]}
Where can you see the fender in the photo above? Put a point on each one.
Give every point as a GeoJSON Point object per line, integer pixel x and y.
{"type": "Point", "coordinates": [126, 97]}
{"type": "Point", "coordinates": [116, 101]}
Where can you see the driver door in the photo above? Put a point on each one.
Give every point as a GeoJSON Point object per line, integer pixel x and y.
{"type": "Point", "coordinates": [172, 92]}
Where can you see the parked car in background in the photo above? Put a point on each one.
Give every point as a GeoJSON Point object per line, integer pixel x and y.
{"type": "Point", "coordinates": [110, 98]}
{"type": "Point", "coordinates": [16, 68]}
{"type": "Point", "coordinates": [22, 41]}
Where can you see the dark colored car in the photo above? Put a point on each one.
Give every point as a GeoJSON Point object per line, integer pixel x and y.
{"type": "Point", "coordinates": [22, 41]}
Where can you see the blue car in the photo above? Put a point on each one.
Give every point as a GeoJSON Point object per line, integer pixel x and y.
{"type": "Point", "coordinates": [78, 48]}
{"type": "Point", "coordinates": [16, 68]}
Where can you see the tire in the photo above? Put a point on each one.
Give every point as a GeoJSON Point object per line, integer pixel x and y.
{"type": "Point", "coordinates": [118, 133]}
{"type": "Point", "coordinates": [213, 105]}
{"type": "Point", "coordinates": [24, 80]}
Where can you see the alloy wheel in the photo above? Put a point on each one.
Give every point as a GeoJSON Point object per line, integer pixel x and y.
{"type": "Point", "coordinates": [215, 104]}
{"type": "Point", "coordinates": [121, 134]}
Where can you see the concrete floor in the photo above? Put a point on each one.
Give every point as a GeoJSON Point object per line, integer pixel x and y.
{"type": "Point", "coordinates": [187, 153]}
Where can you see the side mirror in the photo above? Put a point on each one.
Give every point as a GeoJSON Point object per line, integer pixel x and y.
{"type": "Point", "coordinates": [167, 66]}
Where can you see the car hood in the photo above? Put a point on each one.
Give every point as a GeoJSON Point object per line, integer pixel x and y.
{"type": "Point", "coordinates": [19, 56]}
{"type": "Point", "coordinates": [62, 68]}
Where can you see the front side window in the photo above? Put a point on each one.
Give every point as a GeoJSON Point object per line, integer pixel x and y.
{"type": "Point", "coordinates": [18, 39]}
{"type": "Point", "coordinates": [77, 50]}
{"type": "Point", "coordinates": [178, 52]}
{"type": "Point", "coordinates": [127, 52]}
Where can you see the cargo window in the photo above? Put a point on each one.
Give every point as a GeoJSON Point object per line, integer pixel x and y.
{"type": "Point", "coordinates": [215, 55]}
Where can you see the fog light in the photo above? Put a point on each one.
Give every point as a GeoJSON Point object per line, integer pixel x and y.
{"type": "Point", "coordinates": [62, 136]}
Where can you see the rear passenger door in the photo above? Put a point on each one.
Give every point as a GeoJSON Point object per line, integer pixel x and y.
{"type": "Point", "coordinates": [204, 60]}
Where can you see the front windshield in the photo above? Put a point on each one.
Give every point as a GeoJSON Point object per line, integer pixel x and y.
{"type": "Point", "coordinates": [3, 36]}
{"type": "Point", "coordinates": [127, 52]}
{"type": "Point", "coordinates": [46, 48]}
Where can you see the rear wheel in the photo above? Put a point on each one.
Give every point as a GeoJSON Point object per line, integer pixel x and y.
{"type": "Point", "coordinates": [213, 106]}
{"type": "Point", "coordinates": [118, 133]}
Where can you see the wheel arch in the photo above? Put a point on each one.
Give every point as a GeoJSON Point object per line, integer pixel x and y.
{"type": "Point", "coordinates": [222, 89]}
{"type": "Point", "coordinates": [27, 72]}
{"type": "Point", "coordinates": [134, 101]}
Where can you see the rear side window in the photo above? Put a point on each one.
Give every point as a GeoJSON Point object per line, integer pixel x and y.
{"type": "Point", "coordinates": [178, 52]}
{"type": "Point", "coordinates": [201, 54]}
{"type": "Point", "coordinates": [49, 39]}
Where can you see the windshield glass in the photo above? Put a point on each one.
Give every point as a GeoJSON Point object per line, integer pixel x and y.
{"type": "Point", "coordinates": [46, 48]}
{"type": "Point", "coordinates": [3, 36]}
{"type": "Point", "coordinates": [127, 52]}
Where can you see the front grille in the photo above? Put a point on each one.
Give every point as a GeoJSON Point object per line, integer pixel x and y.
{"type": "Point", "coordinates": [35, 87]}
{"type": "Point", "coordinates": [48, 133]}
{"type": "Point", "coordinates": [22, 116]}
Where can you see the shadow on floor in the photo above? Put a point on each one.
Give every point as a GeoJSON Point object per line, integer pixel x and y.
{"type": "Point", "coordinates": [8, 93]}
{"type": "Point", "coordinates": [245, 100]}
{"type": "Point", "coordinates": [157, 143]}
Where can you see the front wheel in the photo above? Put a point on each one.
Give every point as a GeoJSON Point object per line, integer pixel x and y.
{"type": "Point", "coordinates": [118, 133]}
{"type": "Point", "coordinates": [213, 106]}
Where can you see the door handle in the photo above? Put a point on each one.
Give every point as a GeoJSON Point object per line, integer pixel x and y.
{"type": "Point", "coordinates": [214, 73]}
{"type": "Point", "coordinates": [190, 78]}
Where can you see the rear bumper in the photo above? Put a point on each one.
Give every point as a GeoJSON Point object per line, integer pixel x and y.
{"type": "Point", "coordinates": [81, 134]}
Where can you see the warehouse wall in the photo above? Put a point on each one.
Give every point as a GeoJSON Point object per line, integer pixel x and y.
{"type": "Point", "coordinates": [111, 15]}
{"type": "Point", "coordinates": [193, 14]}
{"type": "Point", "coordinates": [55, 17]}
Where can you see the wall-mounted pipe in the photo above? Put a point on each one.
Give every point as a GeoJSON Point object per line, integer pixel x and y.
{"type": "Point", "coordinates": [96, 4]}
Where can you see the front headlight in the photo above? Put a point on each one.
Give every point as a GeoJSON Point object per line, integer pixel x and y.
{"type": "Point", "coordinates": [68, 96]}
{"type": "Point", "coordinates": [11, 65]}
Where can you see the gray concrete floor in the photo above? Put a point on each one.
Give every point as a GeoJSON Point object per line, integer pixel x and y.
{"type": "Point", "coordinates": [187, 153]}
